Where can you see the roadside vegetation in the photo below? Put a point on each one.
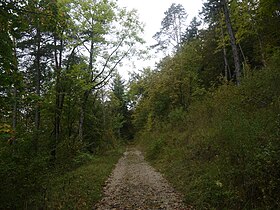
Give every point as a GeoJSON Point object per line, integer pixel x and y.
{"type": "Point", "coordinates": [83, 187]}
{"type": "Point", "coordinates": [213, 132]}
{"type": "Point", "coordinates": [224, 152]}
{"type": "Point", "coordinates": [207, 116]}
{"type": "Point", "coordinates": [64, 117]}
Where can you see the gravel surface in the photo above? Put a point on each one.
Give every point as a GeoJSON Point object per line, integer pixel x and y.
{"type": "Point", "coordinates": [134, 184]}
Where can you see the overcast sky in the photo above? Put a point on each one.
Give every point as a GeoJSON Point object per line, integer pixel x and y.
{"type": "Point", "coordinates": [151, 13]}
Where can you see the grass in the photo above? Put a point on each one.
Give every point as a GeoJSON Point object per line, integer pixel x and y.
{"type": "Point", "coordinates": [82, 187]}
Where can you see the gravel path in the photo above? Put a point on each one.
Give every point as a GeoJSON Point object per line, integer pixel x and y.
{"type": "Point", "coordinates": [134, 184]}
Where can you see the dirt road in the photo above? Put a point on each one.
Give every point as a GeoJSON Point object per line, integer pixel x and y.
{"type": "Point", "coordinates": [135, 185]}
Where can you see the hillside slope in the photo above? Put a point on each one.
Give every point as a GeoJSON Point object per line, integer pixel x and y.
{"type": "Point", "coordinates": [224, 152]}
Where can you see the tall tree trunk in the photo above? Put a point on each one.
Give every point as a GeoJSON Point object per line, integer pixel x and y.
{"type": "Point", "coordinates": [226, 64]}
{"type": "Point", "coordinates": [38, 91]}
{"type": "Point", "coordinates": [82, 115]}
{"type": "Point", "coordinates": [86, 94]}
{"type": "Point", "coordinates": [232, 42]}
{"type": "Point", "coordinates": [57, 121]}
{"type": "Point", "coordinates": [15, 102]}
{"type": "Point", "coordinates": [70, 118]}
{"type": "Point", "coordinates": [59, 99]}
{"type": "Point", "coordinates": [14, 123]}
{"type": "Point", "coordinates": [227, 69]}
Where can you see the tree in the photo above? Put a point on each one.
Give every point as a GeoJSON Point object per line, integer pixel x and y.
{"type": "Point", "coordinates": [173, 86]}
{"type": "Point", "coordinates": [212, 13]}
{"type": "Point", "coordinates": [172, 27]}
{"type": "Point", "coordinates": [119, 97]}
{"type": "Point", "coordinates": [118, 90]}
{"type": "Point", "coordinates": [96, 21]}
{"type": "Point", "coordinates": [12, 24]}
{"type": "Point", "coordinates": [232, 42]}
{"type": "Point", "coordinates": [35, 55]}
{"type": "Point", "coordinates": [192, 30]}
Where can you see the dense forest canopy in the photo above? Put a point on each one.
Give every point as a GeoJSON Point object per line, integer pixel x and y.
{"type": "Point", "coordinates": [211, 106]}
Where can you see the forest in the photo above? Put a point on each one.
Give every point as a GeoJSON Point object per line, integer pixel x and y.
{"type": "Point", "coordinates": [207, 116]}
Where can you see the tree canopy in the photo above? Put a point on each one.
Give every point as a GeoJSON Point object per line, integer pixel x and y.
{"type": "Point", "coordinates": [207, 115]}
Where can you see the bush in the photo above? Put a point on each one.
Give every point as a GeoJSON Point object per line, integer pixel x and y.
{"type": "Point", "coordinates": [228, 155]}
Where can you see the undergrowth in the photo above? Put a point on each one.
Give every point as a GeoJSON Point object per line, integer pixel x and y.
{"type": "Point", "coordinates": [81, 188]}
{"type": "Point", "coordinates": [73, 183]}
{"type": "Point", "coordinates": [225, 151]}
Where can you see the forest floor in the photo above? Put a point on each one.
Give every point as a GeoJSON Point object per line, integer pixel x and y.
{"type": "Point", "coordinates": [134, 184]}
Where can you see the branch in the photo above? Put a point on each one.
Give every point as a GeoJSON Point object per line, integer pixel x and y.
{"type": "Point", "coordinates": [103, 85]}
{"type": "Point", "coordinates": [112, 69]}
{"type": "Point", "coordinates": [86, 46]}
{"type": "Point", "coordinates": [107, 61]}
{"type": "Point", "coordinates": [72, 53]}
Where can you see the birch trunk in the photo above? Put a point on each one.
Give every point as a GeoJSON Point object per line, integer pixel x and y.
{"type": "Point", "coordinates": [232, 42]}
{"type": "Point", "coordinates": [227, 69]}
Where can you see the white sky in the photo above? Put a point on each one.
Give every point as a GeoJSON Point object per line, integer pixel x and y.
{"type": "Point", "coordinates": [151, 13]}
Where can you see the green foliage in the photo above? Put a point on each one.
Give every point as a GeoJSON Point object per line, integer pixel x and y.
{"type": "Point", "coordinates": [173, 87]}
{"type": "Point", "coordinates": [222, 139]}
{"type": "Point", "coordinates": [31, 182]}
{"type": "Point", "coordinates": [224, 152]}
{"type": "Point", "coordinates": [82, 187]}
{"type": "Point", "coordinates": [170, 35]}
{"type": "Point", "coordinates": [21, 173]}
{"type": "Point", "coordinates": [55, 59]}
{"type": "Point", "coordinates": [155, 148]}
{"type": "Point", "coordinates": [192, 31]}
{"type": "Point", "coordinates": [176, 116]}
